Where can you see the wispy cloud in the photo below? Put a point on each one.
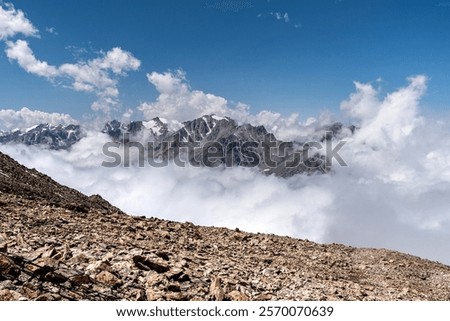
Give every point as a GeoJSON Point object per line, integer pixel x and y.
{"type": "Point", "coordinates": [77, 52]}
{"type": "Point", "coordinates": [51, 30]}
{"type": "Point", "coordinates": [444, 4]}
{"type": "Point", "coordinates": [280, 16]}
{"type": "Point", "coordinates": [228, 5]}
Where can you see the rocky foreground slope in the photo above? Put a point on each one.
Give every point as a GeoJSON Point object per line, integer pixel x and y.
{"type": "Point", "coordinates": [58, 244]}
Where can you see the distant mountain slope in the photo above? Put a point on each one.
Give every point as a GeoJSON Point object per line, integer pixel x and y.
{"type": "Point", "coordinates": [238, 145]}
{"type": "Point", "coordinates": [229, 143]}
{"type": "Point", "coordinates": [52, 250]}
{"type": "Point", "coordinates": [53, 137]}
{"type": "Point", "coordinates": [30, 184]}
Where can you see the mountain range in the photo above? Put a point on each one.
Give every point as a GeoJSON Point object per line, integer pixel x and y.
{"type": "Point", "coordinates": [206, 141]}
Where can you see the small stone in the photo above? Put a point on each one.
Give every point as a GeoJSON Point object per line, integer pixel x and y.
{"type": "Point", "coordinates": [264, 297]}
{"type": "Point", "coordinates": [7, 267]}
{"type": "Point", "coordinates": [55, 277]}
{"type": "Point", "coordinates": [137, 295]}
{"type": "Point", "coordinates": [5, 264]}
{"type": "Point", "coordinates": [109, 279]}
{"type": "Point", "coordinates": [154, 279]}
{"type": "Point", "coordinates": [98, 266]}
{"type": "Point", "coordinates": [178, 274]}
{"type": "Point", "coordinates": [31, 291]}
{"type": "Point", "coordinates": [145, 264]}
{"type": "Point", "coordinates": [173, 288]}
{"type": "Point", "coordinates": [215, 289]}
{"type": "Point", "coordinates": [81, 279]}
{"type": "Point", "coordinates": [237, 296]}
{"type": "Point", "coordinates": [46, 263]}
{"type": "Point", "coordinates": [46, 297]}
{"type": "Point", "coordinates": [9, 295]}
{"type": "Point", "coordinates": [151, 294]}
{"type": "Point", "coordinates": [162, 254]}
{"type": "Point", "coordinates": [50, 253]}
{"type": "Point", "coordinates": [175, 296]}
{"type": "Point", "coordinates": [80, 258]}
{"type": "Point", "coordinates": [3, 247]}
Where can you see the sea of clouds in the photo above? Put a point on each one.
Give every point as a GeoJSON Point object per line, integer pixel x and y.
{"type": "Point", "coordinates": [394, 193]}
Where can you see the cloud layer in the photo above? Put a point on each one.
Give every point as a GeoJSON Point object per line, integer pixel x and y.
{"type": "Point", "coordinates": [393, 194]}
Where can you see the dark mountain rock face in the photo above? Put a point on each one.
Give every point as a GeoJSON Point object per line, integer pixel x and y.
{"type": "Point", "coordinates": [153, 128]}
{"type": "Point", "coordinates": [227, 143]}
{"type": "Point", "coordinates": [50, 249]}
{"type": "Point", "coordinates": [206, 141]}
{"type": "Point", "coordinates": [53, 137]}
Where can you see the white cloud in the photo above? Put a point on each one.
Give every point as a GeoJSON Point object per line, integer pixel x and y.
{"type": "Point", "coordinates": [13, 22]}
{"type": "Point", "coordinates": [51, 30]}
{"type": "Point", "coordinates": [445, 4]}
{"type": "Point", "coordinates": [21, 52]}
{"type": "Point", "coordinates": [386, 121]}
{"type": "Point", "coordinates": [177, 101]}
{"type": "Point", "coordinates": [24, 118]}
{"type": "Point", "coordinates": [281, 16]}
{"type": "Point", "coordinates": [98, 76]}
{"type": "Point", "coordinates": [228, 5]}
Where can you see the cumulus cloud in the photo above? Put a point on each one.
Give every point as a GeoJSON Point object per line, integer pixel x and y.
{"type": "Point", "coordinates": [98, 76]}
{"type": "Point", "coordinates": [386, 121]}
{"type": "Point", "coordinates": [25, 118]}
{"type": "Point", "coordinates": [391, 195]}
{"type": "Point", "coordinates": [177, 101]}
{"type": "Point", "coordinates": [21, 52]}
{"type": "Point", "coordinates": [13, 22]}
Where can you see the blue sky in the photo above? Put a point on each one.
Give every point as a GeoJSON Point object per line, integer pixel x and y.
{"type": "Point", "coordinates": [286, 56]}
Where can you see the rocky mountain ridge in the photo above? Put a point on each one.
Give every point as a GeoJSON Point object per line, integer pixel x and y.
{"type": "Point", "coordinates": [198, 141]}
{"type": "Point", "coordinates": [53, 249]}
{"type": "Point", "coordinates": [49, 136]}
